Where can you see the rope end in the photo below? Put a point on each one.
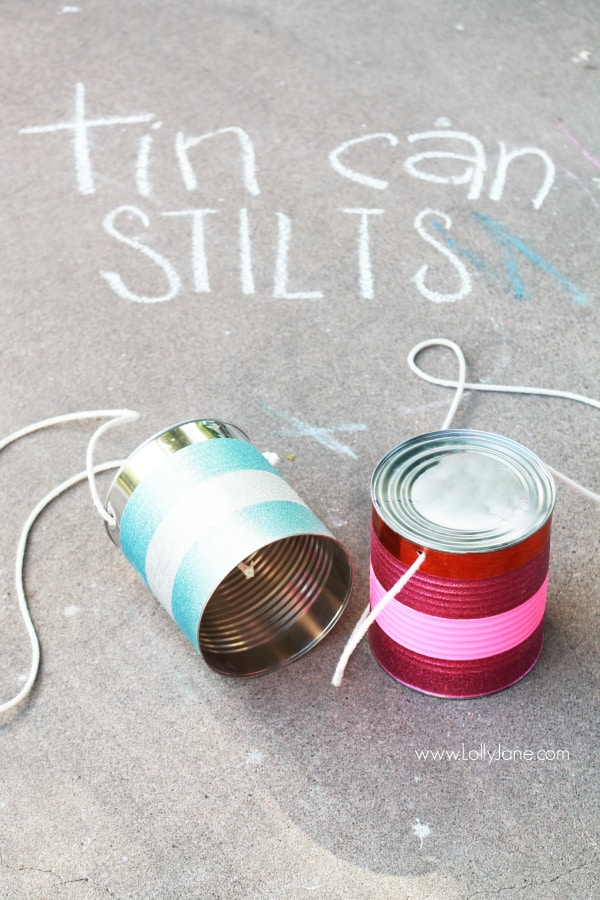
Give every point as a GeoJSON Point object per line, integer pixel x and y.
{"type": "Point", "coordinates": [337, 677]}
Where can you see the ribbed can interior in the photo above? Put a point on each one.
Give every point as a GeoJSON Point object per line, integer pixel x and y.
{"type": "Point", "coordinates": [296, 593]}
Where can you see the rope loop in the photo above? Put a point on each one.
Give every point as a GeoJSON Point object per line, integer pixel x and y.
{"type": "Point", "coordinates": [117, 417]}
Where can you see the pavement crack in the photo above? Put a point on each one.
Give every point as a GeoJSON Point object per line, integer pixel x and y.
{"type": "Point", "coordinates": [60, 878]}
{"type": "Point", "coordinates": [532, 884]}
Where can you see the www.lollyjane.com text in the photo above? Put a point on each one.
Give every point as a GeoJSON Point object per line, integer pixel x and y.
{"type": "Point", "coordinates": [495, 753]}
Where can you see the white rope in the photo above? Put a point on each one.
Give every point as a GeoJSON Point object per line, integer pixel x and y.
{"type": "Point", "coordinates": [367, 619]}
{"type": "Point", "coordinates": [461, 385]}
{"type": "Point", "coordinates": [19, 576]}
{"type": "Point", "coordinates": [63, 419]}
{"type": "Point", "coordinates": [118, 416]}
{"type": "Point", "coordinates": [121, 417]}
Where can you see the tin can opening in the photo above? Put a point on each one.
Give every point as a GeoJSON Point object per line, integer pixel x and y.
{"type": "Point", "coordinates": [296, 594]}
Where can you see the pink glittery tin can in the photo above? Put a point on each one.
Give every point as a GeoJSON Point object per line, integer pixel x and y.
{"type": "Point", "coordinates": [471, 620]}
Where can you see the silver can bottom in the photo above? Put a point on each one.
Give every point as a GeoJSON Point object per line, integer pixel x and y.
{"type": "Point", "coordinates": [297, 591]}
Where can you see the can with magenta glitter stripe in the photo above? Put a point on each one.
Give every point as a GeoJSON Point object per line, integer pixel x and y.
{"type": "Point", "coordinates": [479, 505]}
{"type": "Point", "coordinates": [248, 572]}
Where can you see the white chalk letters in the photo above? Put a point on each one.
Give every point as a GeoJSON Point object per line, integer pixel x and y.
{"type": "Point", "coordinates": [444, 157]}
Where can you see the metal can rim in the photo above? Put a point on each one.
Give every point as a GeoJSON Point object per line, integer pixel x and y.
{"type": "Point", "coordinates": [396, 477]}
{"type": "Point", "coordinates": [119, 493]}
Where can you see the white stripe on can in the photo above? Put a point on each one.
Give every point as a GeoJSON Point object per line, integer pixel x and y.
{"type": "Point", "coordinates": [206, 506]}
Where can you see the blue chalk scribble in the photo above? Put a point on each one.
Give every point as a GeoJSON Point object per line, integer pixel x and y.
{"type": "Point", "coordinates": [323, 436]}
{"type": "Point", "coordinates": [512, 247]}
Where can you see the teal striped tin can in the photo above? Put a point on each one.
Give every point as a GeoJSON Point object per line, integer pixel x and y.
{"type": "Point", "coordinates": [247, 571]}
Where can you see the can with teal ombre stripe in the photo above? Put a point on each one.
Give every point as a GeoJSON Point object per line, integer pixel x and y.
{"type": "Point", "coordinates": [247, 571]}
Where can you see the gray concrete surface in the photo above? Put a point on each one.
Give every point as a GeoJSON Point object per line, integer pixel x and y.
{"type": "Point", "coordinates": [133, 771]}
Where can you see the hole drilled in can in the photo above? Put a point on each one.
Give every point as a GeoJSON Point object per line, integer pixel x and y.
{"type": "Point", "coordinates": [296, 594]}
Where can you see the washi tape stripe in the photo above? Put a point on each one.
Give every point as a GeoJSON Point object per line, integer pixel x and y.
{"type": "Point", "coordinates": [456, 678]}
{"type": "Point", "coordinates": [172, 480]}
{"type": "Point", "coordinates": [244, 532]}
{"type": "Point", "coordinates": [208, 506]}
{"type": "Point", "coordinates": [459, 639]}
{"type": "Point", "coordinates": [455, 598]}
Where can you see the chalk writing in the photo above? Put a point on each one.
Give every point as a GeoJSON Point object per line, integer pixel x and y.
{"type": "Point", "coordinates": [281, 264]}
{"type": "Point", "coordinates": [351, 174]}
{"type": "Point", "coordinates": [365, 273]}
{"type": "Point", "coordinates": [200, 272]}
{"type": "Point", "coordinates": [79, 125]}
{"type": "Point", "coordinates": [183, 144]}
{"type": "Point", "coordinates": [506, 158]}
{"type": "Point", "coordinates": [199, 262]}
{"type": "Point", "coordinates": [142, 178]}
{"type": "Point", "coordinates": [114, 279]}
{"type": "Point", "coordinates": [246, 269]}
{"type": "Point", "coordinates": [463, 274]}
{"type": "Point", "coordinates": [472, 175]}
{"type": "Point", "coordinates": [445, 157]}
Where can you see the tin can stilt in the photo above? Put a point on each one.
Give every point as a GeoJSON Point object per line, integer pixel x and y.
{"type": "Point", "coordinates": [245, 568]}
{"type": "Point", "coordinates": [479, 505]}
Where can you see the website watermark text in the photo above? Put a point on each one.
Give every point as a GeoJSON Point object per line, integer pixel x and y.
{"type": "Point", "coordinates": [494, 753]}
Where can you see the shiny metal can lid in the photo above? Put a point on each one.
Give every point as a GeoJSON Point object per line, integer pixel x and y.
{"type": "Point", "coordinates": [462, 491]}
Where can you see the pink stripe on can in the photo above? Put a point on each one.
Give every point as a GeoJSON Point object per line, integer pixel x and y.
{"type": "Point", "coordinates": [441, 638]}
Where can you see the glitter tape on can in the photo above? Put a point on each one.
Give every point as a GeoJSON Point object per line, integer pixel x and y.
{"type": "Point", "coordinates": [479, 505]}
{"type": "Point", "coordinates": [247, 571]}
